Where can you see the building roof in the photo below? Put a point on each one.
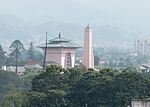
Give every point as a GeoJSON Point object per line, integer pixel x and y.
{"type": "Point", "coordinates": [34, 66]}
{"type": "Point", "coordinates": [60, 42]}
{"type": "Point", "coordinates": [13, 69]}
{"type": "Point", "coordinates": [58, 39]}
{"type": "Point", "coordinates": [146, 65]}
{"type": "Point", "coordinates": [142, 99]}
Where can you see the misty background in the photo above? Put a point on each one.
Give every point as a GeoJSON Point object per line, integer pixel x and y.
{"type": "Point", "coordinates": [115, 23]}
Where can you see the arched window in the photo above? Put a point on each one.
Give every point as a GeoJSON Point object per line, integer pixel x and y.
{"type": "Point", "coordinates": [68, 60]}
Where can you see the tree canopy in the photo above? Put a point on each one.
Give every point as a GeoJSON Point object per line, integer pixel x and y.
{"type": "Point", "coordinates": [31, 52]}
{"type": "Point", "coordinates": [2, 57]}
{"type": "Point", "coordinates": [78, 87]}
{"type": "Point", "coordinates": [10, 82]}
{"type": "Point", "coordinates": [16, 48]}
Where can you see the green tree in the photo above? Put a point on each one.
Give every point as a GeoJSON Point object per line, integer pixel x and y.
{"type": "Point", "coordinates": [101, 95]}
{"type": "Point", "coordinates": [10, 61]}
{"type": "Point", "coordinates": [10, 82]}
{"type": "Point", "coordinates": [132, 68]}
{"type": "Point", "coordinates": [128, 85]}
{"type": "Point", "coordinates": [35, 99]}
{"type": "Point", "coordinates": [147, 82]}
{"type": "Point", "coordinates": [96, 60]}
{"type": "Point", "coordinates": [57, 98]}
{"type": "Point", "coordinates": [13, 100]}
{"type": "Point", "coordinates": [16, 48]}
{"type": "Point", "coordinates": [39, 57]}
{"type": "Point", "coordinates": [78, 87]}
{"type": "Point", "coordinates": [54, 84]}
{"type": "Point", "coordinates": [82, 90]}
{"type": "Point", "coordinates": [50, 79]}
{"type": "Point", "coordinates": [2, 57]}
{"type": "Point", "coordinates": [31, 52]}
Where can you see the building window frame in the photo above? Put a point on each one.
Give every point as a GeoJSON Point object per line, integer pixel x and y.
{"type": "Point", "coordinates": [68, 60]}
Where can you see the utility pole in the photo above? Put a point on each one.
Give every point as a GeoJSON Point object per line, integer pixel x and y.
{"type": "Point", "coordinates": [17, 59]}
{"type": "Point", "coordinates": [45, 52]}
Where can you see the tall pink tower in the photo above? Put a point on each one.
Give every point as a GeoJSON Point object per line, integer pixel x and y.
{"type": "Point", "coordinates": [88, 58]}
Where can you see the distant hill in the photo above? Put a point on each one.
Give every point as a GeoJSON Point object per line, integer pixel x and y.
{"type": "Point", "coordinates": [12, 28]}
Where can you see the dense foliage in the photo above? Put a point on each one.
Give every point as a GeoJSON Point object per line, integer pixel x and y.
{"type": "Point", "coordinates": [10, 82]}
{"type": "Point", "coordinates": [78, 87]}
{"type": "Point", "coordinates": [16, 48]}
{"type": "Point", "coordinates": [31, 52]}
{"type": "Point", "coordinates": [2, 57]}
{"type": "Point", "coordinates": [18, 55]}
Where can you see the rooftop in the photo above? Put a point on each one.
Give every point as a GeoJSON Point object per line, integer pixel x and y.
{"type": "Point", "coordinates": [60, 42]}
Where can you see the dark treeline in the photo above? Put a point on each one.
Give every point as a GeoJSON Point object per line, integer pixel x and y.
{"type": "Point", "coordinates": [78, 87]}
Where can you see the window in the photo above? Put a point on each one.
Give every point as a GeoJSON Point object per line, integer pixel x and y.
{"type": "Point", "coordinates": [68, 60]}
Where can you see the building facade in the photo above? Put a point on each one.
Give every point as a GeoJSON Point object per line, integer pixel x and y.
{"type": "Point", "coordinates": [61, 51]}
{"type": "Point", "coordinates": [88, 57]}
{"type": "Point", "coordinates": [142, 47]}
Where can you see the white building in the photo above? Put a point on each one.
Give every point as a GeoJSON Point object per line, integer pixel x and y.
{"type": "Point", "coordinates": [21, 70]}
{"type": "Point", "coordinates": [142, 46]}
{"type": "Point", "coordinates": [144, 68]}
{"type": "Point", "coordinates": [141, 103]}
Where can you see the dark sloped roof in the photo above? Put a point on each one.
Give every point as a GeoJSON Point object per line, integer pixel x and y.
{"type": "Point", "coordinates": [60, 42]}
{"type": "Point", "coordinates": [58, 39]}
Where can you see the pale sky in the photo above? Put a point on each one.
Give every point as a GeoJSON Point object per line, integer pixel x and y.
{"type": "Point", "coordinates": [129, 14]}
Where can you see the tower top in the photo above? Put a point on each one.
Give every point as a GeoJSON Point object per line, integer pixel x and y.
{"type": "Point", "coordinates": [59, 34]}
{"type": "Point", "coordinates": [88, 26]}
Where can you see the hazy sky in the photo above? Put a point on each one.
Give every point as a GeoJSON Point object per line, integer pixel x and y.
{"type": "Point", "coordinates": [129, 14]}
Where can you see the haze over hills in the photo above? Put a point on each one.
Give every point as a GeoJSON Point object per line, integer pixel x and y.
{"type": "Point", "coordinates": [12, 28]}
{"type": "Point", "coordinates": [115, 23]}
{"type": "Point", "coordinates": [132, 14]}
